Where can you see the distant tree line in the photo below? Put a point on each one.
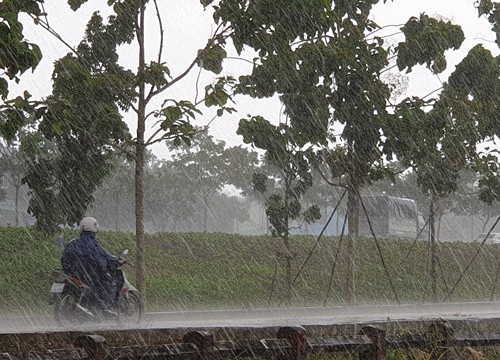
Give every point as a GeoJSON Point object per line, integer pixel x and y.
{"type": "Point", "coordinates": [175, 203]}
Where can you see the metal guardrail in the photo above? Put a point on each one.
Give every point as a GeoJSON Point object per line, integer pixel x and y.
{"type": "Point", "coordinates": [290, 343]}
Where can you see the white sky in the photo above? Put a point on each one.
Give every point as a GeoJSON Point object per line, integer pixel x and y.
{"type": "Point", "coordinates": [187, 28]}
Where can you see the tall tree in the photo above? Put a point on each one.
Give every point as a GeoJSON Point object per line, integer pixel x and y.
{"type": "Point", "coordinates": [172, 199]}
{"type": "Point", "coordinates": [78, 126]}
{"type": "Point", "coordinates": [149, 82]}
{"type": "Point", "coordinates": [326, 62]}
{"type": "Point", "coordinates": [92, 72]}
{"type": "Point", "coordinates": [440, 143]}
{"type": "Point", "coordinates": [292, 175]}
{"type": "Point", "coordinates": [208, 167]}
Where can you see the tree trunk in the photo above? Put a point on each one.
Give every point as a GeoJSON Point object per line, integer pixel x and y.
{"type": "Point", "coordinates": [16, 201]}
{"type": "Point", "coordinates": [352, 218]}
{"type": "Point", "coordinates": [286, 240]}
{"type": "Point", "coordinates": [471, 227]}
{"type": "Point", "coordinates": [288, 270]}
{"type": "Point", "coordinates": [433, 272]}
{"type": "Point", "coordinates": [116, 210]}
{"type": "Point", "coordinates": [483, 228]}
{"type": "Point", "coordinates": [139, 218]}
{"type": "Point", "coordinates": [438, 230]}
{"type": "Point", "coordinates": [205, 215]}
{"type": "Point", "coordinates": [139, 164]}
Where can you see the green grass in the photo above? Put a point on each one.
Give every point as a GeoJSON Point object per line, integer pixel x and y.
{"type": "Point", "coordinates": [219, 271]}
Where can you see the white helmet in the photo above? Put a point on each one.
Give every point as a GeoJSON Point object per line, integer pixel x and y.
{"type": "Point", "coordinates": [89, 224]}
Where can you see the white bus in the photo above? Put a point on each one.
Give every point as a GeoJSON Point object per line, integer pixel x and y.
{"type": "Point", "coordinates": [390, 217]}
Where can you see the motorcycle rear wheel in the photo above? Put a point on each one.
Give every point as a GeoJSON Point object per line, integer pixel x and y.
{"type": "Point", "coordinates": [130, 308]}
{"type": "Point", "coordinates": [65, 310]}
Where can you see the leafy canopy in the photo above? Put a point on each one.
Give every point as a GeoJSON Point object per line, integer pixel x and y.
{"type": "Point", "coordinates": [16, 54]}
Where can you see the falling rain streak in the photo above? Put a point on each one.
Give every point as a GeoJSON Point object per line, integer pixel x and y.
{"type": "Point", "coordinates": [337, 183]}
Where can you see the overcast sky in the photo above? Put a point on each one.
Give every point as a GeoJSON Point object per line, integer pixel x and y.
{"type": "Point", "coordinates": [187, 27]}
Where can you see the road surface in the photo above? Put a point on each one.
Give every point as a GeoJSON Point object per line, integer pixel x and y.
{"type": "Point", "coordinates": [276, 317]}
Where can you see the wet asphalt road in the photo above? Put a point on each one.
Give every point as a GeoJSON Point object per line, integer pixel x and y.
{"type": "Point", "coordinates": [273, 317]}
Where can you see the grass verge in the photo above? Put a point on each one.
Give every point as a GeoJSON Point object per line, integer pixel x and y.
{"type": "Point", "coordinates": [188, 271]}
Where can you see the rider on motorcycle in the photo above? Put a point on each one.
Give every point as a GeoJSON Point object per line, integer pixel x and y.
{"type": "Point", "coordinates": [87, 260]}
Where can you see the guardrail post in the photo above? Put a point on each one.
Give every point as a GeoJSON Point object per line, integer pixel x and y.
{"type": "Point", "coordinates": [94, 346]}
{"type": "Point", "coordinates": [378, 348]}
{"type": "Point", "coordinates": [297, 337]}
{"type": "Point", "coordinates": [204, 341]}
{"type": "Point", "coordinates": [440, 333]}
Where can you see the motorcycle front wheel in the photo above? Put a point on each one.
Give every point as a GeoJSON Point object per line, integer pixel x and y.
{"type": "Point", "coordinates": [130, 308]}
{"type": "Point", "coordinates": [65, 310]}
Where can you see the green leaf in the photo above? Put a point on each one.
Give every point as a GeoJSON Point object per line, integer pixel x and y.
{"type": "Point", "coordinates": [211, 59]}
{"type": "Point", "coordinates": [216, 98]}
{"type": "Point", "coordinates": [14, 122]}
{"type": "Point", "coordinates": [37, 55]}
{"type": "Point", "coordinates": [484, 7]}
{"type": "Point", "coordinates": [439, 65]}
{"type": "Point", "coordinates": [4, 88]}
{"type": "Point", "coordinates": [17, 6]}
{"type": "Point", "coordinates": [172, 114]}
{"type": "Point", "coordinates": [312, 214]}
{"type": "Point", "coordinates": [189, 105]}
{"type": "Point", "coordinates": [426, 40]}
{"type": "Point", "coordinates": [205, 3]}
{"type": "Point", "coordinates": [156, 74]}
{"type": "Point", "coordinates": [75, 4]}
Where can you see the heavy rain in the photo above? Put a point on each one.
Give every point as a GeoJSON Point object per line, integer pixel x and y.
{"type": "Point", "coordinates": [245, 164]}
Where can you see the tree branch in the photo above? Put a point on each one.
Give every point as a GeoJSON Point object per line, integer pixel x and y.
{"type": "Point", "coordinates": [160, 51]}
{"type": "Point", "coordinates": [211, 41]}
{"type": "Point", "coordinates": [46, 26]}
{"type": "Point", "coordinates": [384, 27]}
{"type": "Point", "coordinates": [165, 137]}
{"type": "Point", "coordinates": [150, 140]}
{"type": "Point", "coordinates": [323, 176]}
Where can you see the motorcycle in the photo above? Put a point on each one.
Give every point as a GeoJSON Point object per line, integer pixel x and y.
{"type": "Point", "coordinates": [75, 302]}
